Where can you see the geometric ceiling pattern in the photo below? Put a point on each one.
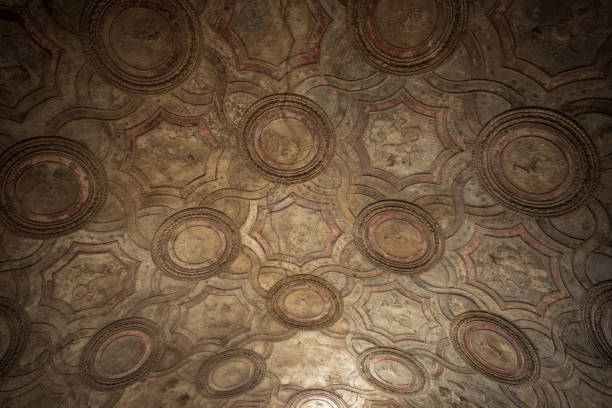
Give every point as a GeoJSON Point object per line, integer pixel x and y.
{"type": "Point", "coordinates": [306, 203]}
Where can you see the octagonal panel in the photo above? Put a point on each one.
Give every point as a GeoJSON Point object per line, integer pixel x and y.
{"type": "Point", "coordinates": [402, 141]}
{"type": "Point", "coordinates": [514, 268]}
{"type": "Point", "coordinates": [90, 277]}
{"type": "Point", "coordinates": [215, 314]}
{"type": "Point", "coordinates": [273, 37]}
{"type": "Point", "coordinates": [296, 230]}
{"type": "Point", "coordinates": [396, 313]}
{"type": "Point", "coordinates": [169, 150]}
{"type": "Point", "coordinates": [399, 141]}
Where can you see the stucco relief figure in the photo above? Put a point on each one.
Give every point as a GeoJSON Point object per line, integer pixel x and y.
{"type": "Point", "coordinates": [568, 32]}
{"type": "Point", "coordinates": [507, 266]}
{"type": "Point", "coordinates": [92, 283]}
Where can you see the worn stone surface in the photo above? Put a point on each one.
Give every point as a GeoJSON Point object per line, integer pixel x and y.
{"type": "Point", "coordinates": [305, 203]}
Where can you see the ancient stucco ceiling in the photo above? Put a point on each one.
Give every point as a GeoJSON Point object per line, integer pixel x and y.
{"type": "Point", "coordinates": [306, 203]}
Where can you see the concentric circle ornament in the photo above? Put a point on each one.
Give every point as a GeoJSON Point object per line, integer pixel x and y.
{"type": "Point", "coordinates": [230, 373]}
{"type": "Point", "coordinates": [407, 36]}
{"type": "Point", "coordinates": [195, 243]}
{"type": "Point", "coordinates": [304, 302]}
{"type": "Point", "coordinates": [398, 236]}
{"type": "Point", "coordinates": [14, 334]}
{"type": "Point", "coordinates": [597, 317]}
{"type": "Point", "coordinates": [316, 398]}
{"type": "Point", "coordinates": [287, 138]}
{"type": "Point", "coordinates": [148, 46]}
{"type": "Point", "coordinates": [392, 370]}
{"type": "Point", "coordinates": [51, 186]}
{"type": "Point", "coordinates": [495, 347]}
{"type": "Point", "coordinates": [537, 162]}
{"type": "Point", "coordinates": [121, 353]}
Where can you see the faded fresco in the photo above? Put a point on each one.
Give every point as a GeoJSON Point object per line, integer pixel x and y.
{"type": "Point", "coordinates": [306, 203]}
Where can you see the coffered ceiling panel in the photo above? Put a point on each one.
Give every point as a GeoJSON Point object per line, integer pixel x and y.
{"type": "Point", "coordinates": [305, 203]}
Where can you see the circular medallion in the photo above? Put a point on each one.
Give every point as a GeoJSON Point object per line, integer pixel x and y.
{"type": "Point", "coordinates": [195, 243]}
{"type": "Point", "coordinates": [316, 399]}
{"type": "Point", "coordinates": [495, 347]}
{"type": "Point", "coordinates": [392, 370]}
{"type": "Point", "coordinates": [121, 353]}
{"type": "Point", "coordinates": [537, 162]}
{"type": "Point", "coordinates": [13, 334]}
{"type": "Point", "coordinates": [287, 138]}
{"type": "Point", "coordinates": [398, 235]}
{"type": "Point", "coordinates": [304, 302]}
{"type": "Point", "coordinates": [597, 317]}
{"type": "Point", "coordinates": [148, 46]}
{"type": "Point", "coordinates": [50, 186]}
{"type": "Point", "coordinates": [230, 373]}
{"type": "Point", "coordinates": [407, 36]}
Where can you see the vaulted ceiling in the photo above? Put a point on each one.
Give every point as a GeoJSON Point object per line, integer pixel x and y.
{"type": "Point", "coordinates": [305, 203]}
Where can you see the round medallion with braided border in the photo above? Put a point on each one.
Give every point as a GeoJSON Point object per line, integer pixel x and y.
{"type": "Point", "coordinates": [537, 161]}
{"type": "Point", "coordinates": [287, 138]}
{"type": "Point", "coordinates": [51, 186]}
{"type": "Point", "coordinates": [316, 398]}
{"type": "Point", "coordinates": [407, 36]}
{"type": "Point", "coordinates": [398, 236]}
{"type": "Point", "coordinates": [597, 317]}
{"type": "Point", "coordinates": [195, 243]}
{"type": "Point", "coordinates": [149, 46]}
{"type": "Point", "coordinates": [14, 325]}
{"type": "Point", "coordinates": [304, 302]}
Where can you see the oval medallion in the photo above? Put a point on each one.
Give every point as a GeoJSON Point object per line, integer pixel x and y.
{"type": "Point", "coordinates": [121, 353]}
{"type": "Point", "coordinates": [195, 243]}
{"type": "Point", "coordinates": [398, 236]}
{"type": "Point", "coordinates": [392, 370]}
{"type": "Point", "coordinates": [537, 162]}
{"type": "Point", "coordinates": [597, 317]}
{"type": "Point", "coordinates": [495, 347]}
{"type": "Point", "coordinates": [304, 302]}
{"type": "Point", "coordinates": [148, 46]}
{"type": "Point", "coordinates": [407, 36]}
{"type": "Point", "coordinates": [287, 138]}
{"type": "Point", "coordinates": [51, 186]}
{"type": "Point", "coordinates": [316, 399]}
{"type": "Point", "coordinates": [13, 334]}
{"type": "Point", "coordinates": [230, 373]}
